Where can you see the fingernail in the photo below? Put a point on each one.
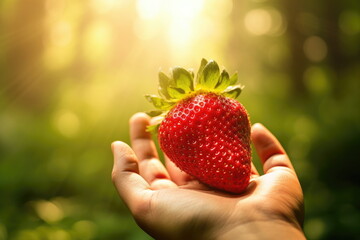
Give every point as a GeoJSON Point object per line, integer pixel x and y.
{"type": "Point", "coordinates": [113, 145]}
{"type": "Point", "coordinates": [256, 125]}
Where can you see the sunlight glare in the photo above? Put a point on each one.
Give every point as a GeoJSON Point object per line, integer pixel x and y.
{"type": "Point", "coordinates": [54, 9]}
{"type": "Point", "coordinates": [144, 30]}
{"type": "Point", "coordinates": [220, 9]}
{"type": "Point", "coordinates": [183, 16]}
{"type": "Point", "coordinates": [98, 39]}
{"type": "Point", "coordinates": [176, 19]}
{"type": "Point", "coordinates": [105, 6]}
{"type": "Point", "coordinates": [148, 9]}
{"type": "Point", "coordinates": [59, 57]}
{"type": "Point", "coordinates": [61, 33]}
{"type": "Point", "coordinates": [185, 9]}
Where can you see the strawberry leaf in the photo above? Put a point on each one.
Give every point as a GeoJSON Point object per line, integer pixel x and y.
{"type": "Point", "coordinates": [153, 128]}
{"type": "Point", "coordinates": [191, 71]}
{"type": "Point", "coordinates": [176, 93]}
{"type": "Point", "coordinates": [183, 79]}
{"type": "Point", "coordinates": [154, 113]}
{"type": "Point", "coordinates": [163, 93]}
{"type": "Point", "coordinates": [233, 79]}
{"type": "Point", "coordinates": [164, 82]}
{"type": "Point", "coordinates": [199, 76]}
{"type": "Point", "coordinates": [158, 102]}
{"type": "Point", "coordinates": [224, 81]}
{"type": "Point", "coordinates": [233, 91]}
{"type": "Point", "coordinates": [210, 75]}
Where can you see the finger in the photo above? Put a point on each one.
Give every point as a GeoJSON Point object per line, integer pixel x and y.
{"type": "Point", "coordinates": [178, 176]}
{"type": "Point", "coordinates": [279, 160]}
{"type": "Point", "coordinates": [141, 140]}
{"type": "Point", "coordinates": [151, 169]}
{"type": "Point", "coordinates": [125, 174]}
{"type": "Point", "coordinates": [269, 149]}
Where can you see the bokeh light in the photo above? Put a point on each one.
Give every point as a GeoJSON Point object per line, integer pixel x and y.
{"type": "Point", "coordinates": [67, 123]}
{"type": "Point", "coordinates": [48, 211]}
{"type": "Point", "coordinates": [315, 48]}
{"type": "Point", "coordinates": [349, 22]}
{"type": "Point", "coordinates": [258, 21]}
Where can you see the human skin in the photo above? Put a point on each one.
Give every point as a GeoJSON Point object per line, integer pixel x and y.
{"type": "Point", "coordinates": [169, 204]}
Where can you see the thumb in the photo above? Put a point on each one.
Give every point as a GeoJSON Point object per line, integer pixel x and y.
{"type": "Point", "coordinates": [270, 151]}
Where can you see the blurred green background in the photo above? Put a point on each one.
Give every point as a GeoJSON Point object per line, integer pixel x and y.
{"type": "Point", "coordinates": [73, 72]}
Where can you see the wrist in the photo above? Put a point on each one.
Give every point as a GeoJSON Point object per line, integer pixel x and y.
{"type": "Point", "coordinates": [275, 229]}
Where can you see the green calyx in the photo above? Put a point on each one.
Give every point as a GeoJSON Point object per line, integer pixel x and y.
{"type": "Point", "coordinates": [182, 84]}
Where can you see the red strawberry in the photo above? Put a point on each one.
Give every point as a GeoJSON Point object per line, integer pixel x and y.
{"type": "Point", "coordinates": [205, 131]}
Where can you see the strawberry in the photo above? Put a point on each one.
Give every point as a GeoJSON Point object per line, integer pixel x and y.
{"type": "Point", "coordinates": [204, 130]}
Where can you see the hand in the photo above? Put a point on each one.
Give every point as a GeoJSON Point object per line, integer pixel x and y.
{"type": "Point", "coordinates": [169, 204]}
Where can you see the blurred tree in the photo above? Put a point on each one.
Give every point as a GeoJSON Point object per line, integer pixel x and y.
{"type": "Point", "coordinates": [25, 77]}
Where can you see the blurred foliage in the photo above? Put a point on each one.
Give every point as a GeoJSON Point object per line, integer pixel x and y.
{"type": "Point", "coordinates": [73, 72]}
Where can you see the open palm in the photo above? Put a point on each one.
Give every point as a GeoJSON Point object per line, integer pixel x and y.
{"type": "Point", "coordinates": [169, 204]}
